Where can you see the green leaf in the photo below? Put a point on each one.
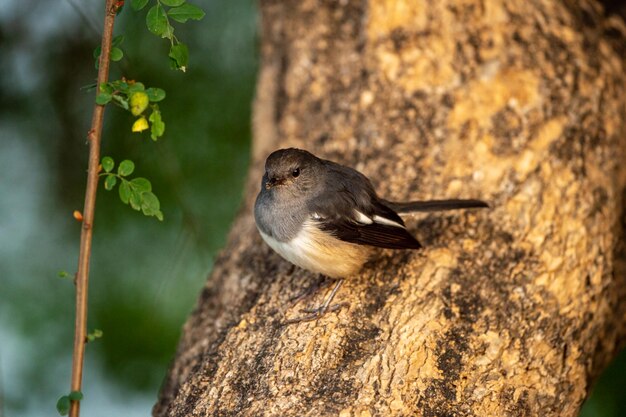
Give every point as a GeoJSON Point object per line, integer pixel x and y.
{"type": "Point", "coordinates": [141, 185]}
{"type": "Point", "coordinates": [135, 199]}
{"type": "Point", "coordinates": [106, 88]}
{"type": "Point", "coordinates": [126, 167]}
{"type": "Point", "coordinates": [155, 94]}
{"type": "Point", "coordinates": [172, 3]}
{"type": "Point", "coordinates": [93, 335]}
{"type": "Point", "coordinates": [116, 54]}
{"type": "Point", "coordinates": [185, 12]}
{"type": "Point", "coordinates": [63, 274]}
{"type": "Point", "coordinates": [103, 98]}
{"type": "Point", "coordinates": [169, 32]}
{"type": "Point", "coordinates": [77, 395]}
{"type": "Point", "coordinates": [159, 215]}
{"type": "Point", "coordinates": [107, 164]}
{"type": "Point", "coordinates": [138, 4]}
{"type": "Point", "coordinates": [63, 405]}
{"type": "Point", "coordinates": [124, 191]}
{"type": "Point", "coordinates": [135, 87]}
{"type": "Point", "coordinates": [118, 40]}
{"type": "Point", "coordinates": [157, 127]}
{"type": "Point", "coordinates": [156, 20]}
{"type": "Point", "coordinates": [150, 204]}
{"type": "Point", "coordinates": [121, 101]}
{"type": "Point", "coordinates": [119, 85]}
{"type": "Point", "coordinates": [179, 57]}
{"type": "Point", "coordinates": [110, 182]}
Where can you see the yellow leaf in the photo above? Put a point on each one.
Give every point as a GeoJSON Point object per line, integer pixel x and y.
{"type": "Point", "coordinates": [140, 124]}
{"type": "Point", "coordinates": [138, 102]}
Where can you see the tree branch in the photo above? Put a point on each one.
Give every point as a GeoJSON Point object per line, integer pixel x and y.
{"type": "Point", "coordinates": [82, 276]}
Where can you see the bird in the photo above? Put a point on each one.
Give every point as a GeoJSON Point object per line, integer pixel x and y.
{"type": "Point", "coordinates": [327, 218]}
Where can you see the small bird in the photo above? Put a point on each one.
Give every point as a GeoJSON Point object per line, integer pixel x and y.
{"type": "Point", "coordinates": [327, 218]}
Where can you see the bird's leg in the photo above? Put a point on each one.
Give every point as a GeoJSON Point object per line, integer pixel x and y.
{"type": "Point", "coordinates": [316, 313]}
{"type": "Point", "coordinates": [312, 289]}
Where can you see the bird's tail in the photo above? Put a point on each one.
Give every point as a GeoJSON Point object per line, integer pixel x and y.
{"type": "Point", "coordinates": [434, 205]}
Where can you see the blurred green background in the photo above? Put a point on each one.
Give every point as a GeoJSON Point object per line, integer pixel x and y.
{"type": "Point", "coordinates": [145, 275]}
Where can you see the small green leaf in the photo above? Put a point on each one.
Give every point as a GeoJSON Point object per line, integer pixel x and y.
{"type": "Point", "coordinates": [121, 101]}
{"type": "Point", "coordinates": [110, 182]}
{"type": "Point", "coordinates": [135, 87]}
{"type": "Point", "coordinates": [172, 3]}
{"type": "Point", "coordinates": [138, 4]}
{"type": "Point", "coordinates": [159, 215]}
{"type": "Point", "coordinates": [97, 52]}
{"type": "Point", "coordinates": [103, 98]}
{"type": "Point", "coordinates": [135, 199]}
{"type": "Point", "coordinates": [63, 405]}
{"type": "Point", "coordinates": [141, 185]}
{"type": "Point", "coordinates": [155, 94]}
{"type": "Point", "coordinates": [158, 127]}
{"type": "Point", "coordinates": [179, 57]}
{"type": "Point", "coordinates": [107, 164]}
{"type": "Point", "coordinates": [116, 54]}
{"type": "Point", "coordinates": [63, 274]}
{"type": "Point", "coordinates": [117, 40]}
{"type": "Point", "coordinates": [150, 204]}
{"type": "Point", "coordinates": [169, 32]}
{"type": "Point", "coordinates": [119, 85]}
{"type": "Point", "coordinates": [156, 20]}
{"type": "Point", "coordinates": [124, 191]}
{"type": "Point", "coordinates": [76, 395]}
{"type": "Point", "coordinates": [126, 167]}
{"type": "Point", "coordinates": [156, 130]}
{"type": "Point", "coordinates": [106, 88]}
{"type": "Point", "coordinates": [93, 335]}
{"type": "Point", "coordinates": [185, 12]}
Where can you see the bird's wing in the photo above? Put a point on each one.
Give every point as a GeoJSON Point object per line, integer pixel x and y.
{"type": "Point", "coordinates": [372, 234]}
{"type": "Point", "coordinates": [350, 210]}
{"type": "Point", "coordinates": [344, 215]}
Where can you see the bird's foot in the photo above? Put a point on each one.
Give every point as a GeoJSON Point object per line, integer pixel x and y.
{"type": "Point", "coordinates": [311, 290]}
{"type": "Point", "coordinates": [326, 307]}
{"type": "Point", "coordinates": [315, 313]}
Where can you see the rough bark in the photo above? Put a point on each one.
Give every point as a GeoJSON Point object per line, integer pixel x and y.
{"type": "Point", "coordinates": [511, 311]}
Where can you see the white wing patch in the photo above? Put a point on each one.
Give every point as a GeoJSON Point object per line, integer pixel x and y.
{"type": "Point", "coordinates": [362, 218]}
{"type": "Point", "coordinates": [383, 220]}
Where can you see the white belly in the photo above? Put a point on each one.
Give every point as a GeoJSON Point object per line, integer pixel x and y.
{"type": "Point", "coordinates": [320, 252]}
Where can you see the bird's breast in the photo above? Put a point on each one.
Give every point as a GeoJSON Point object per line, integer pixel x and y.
{"type": "Point", "coordinates": [320, 252]}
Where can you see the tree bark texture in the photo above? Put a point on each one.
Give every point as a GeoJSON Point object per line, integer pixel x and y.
{"type": "Point", "coordinates": [508, 311]}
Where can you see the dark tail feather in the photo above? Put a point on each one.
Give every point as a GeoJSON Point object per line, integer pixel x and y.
{"type": "Point", "coordinates": [434, 205]}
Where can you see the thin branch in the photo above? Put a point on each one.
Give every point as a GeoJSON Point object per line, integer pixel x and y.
{"type": "Point", "coordinates": [82, 276]}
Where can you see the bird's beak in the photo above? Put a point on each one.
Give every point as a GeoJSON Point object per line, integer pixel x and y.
{"type": "Point", "coordinates": [273, 182]}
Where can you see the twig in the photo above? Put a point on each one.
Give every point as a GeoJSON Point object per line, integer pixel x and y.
{"type": "Point", "coordinates": [82, 276]}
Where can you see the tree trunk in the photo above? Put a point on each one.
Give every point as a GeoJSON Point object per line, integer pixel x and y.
{"type": "Point", "coordinates": [508, 311]}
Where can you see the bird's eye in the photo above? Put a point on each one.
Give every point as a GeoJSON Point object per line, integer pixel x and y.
{"type": "Point", "coordinates": [295, 172]}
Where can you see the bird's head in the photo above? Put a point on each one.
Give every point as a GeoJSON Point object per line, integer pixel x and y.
{"type": "Point", "coordinates": [291, 171]}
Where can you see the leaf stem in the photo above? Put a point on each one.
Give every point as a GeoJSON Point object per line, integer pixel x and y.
{"type": "Point", "coordinates": [82, 277]}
